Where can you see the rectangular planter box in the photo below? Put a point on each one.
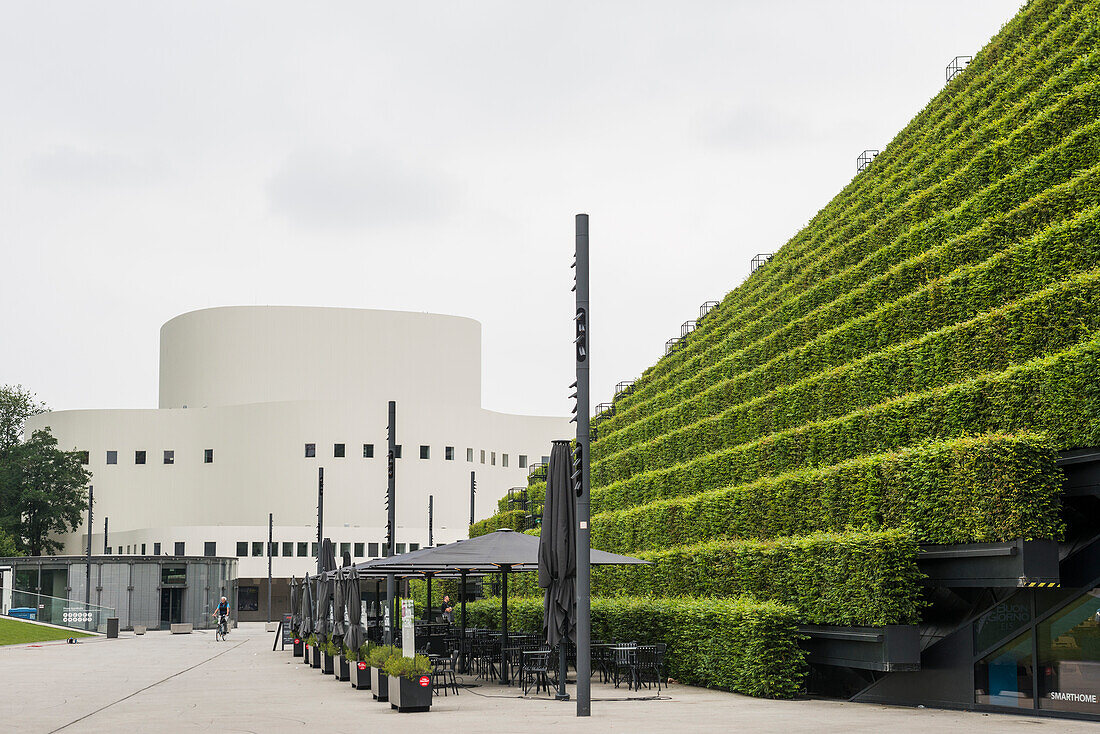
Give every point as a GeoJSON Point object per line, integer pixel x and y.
{"type": "Point", "coordinates": [340, 668]}
{"type": "Point", "coordinates": [360, 675]}
{"type": "Point", "coordinates": [313, 653]}
{"type": "Point", "coordinates": [379, 685]}
{"type": "Point", "coordinates": [326, 664]}
{"type": "Point", "coordinates": [410, 695]}
{"type": "Point", "coordinates": [299, 647]}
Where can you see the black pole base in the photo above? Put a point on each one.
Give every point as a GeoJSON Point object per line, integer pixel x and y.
{"type": "Point", "coordinates": [561, 696]}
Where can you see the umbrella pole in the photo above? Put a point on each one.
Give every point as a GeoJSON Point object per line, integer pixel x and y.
{"type": "Point", "coordinates": [562, 695]}
{"type": "Point", "coordinates": [462, 639]}
{"type": "Point", "coordinates": [428, 605]}
{"type": "Point", "coordinates": [504, 625]}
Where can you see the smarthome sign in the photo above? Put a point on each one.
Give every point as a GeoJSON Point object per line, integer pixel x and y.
{"type": "Point", "coordinates": [1073, 697]}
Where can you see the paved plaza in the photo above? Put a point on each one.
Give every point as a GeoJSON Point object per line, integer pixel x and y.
{"type": "Point", "coordinates": [187, 683]}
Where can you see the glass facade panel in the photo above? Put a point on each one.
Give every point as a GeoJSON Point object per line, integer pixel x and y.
{"type": "Point", "coordinates": [1011, 615]}
{"type": "Point", "coordinates": [288, 550]}
{"type": "Point", "coordinates": [1005, 677]}
{"type": "Point", "coordinates": [1069, 657]}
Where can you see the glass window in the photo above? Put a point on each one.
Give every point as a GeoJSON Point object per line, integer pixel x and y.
{"type": "Point", "coordinates": [372, 550]}
{"type": "Point", "coordinates": [338, 450]}
{"type": "Point", "coordinates": [209, 548]}
{"type": "Point", "coordinates": [546, 460]}
{"type": "Point", "coordinates": [400, 548]}
{"type": "Point", "coordinates": [385, 551]}
{"type": "Point", "coordinates": [248, 598]}
{"type": "Point", "coordinates": [208, 456]}
{"type": "Point", "coordinates": [448, 453]}
{"type": "Point", "coordinates": [156, 549]}
{"type": "Point", "coordinates": [504, 459]}
{"type": "Point", "coordinates": [169, 456]}
{"type": "Point", "coordinates": [1069, 657]}
{"type": "Point", "coordinates": [523, 461]}
{"type": "Point", "coordinates": [288, 550]}
{"type": "Point", "coordinates": [368, 451]}
{"type": "Point", "coordinates": [112, 457]}
{"type": "Point", "coordinates": [358, 550]}
{"type": "Point", "coordinates": [84, 457]}
{"type": "Point", "coordinates": [108, 550]}
{"type": "Point", "coordinates": [1004, 677]}
{"type": "Point", "coordinates": [313, 550]}
{"type": "Point", "coordinates": [180, 548]}
{"type": "Point", "coordinates": [414, 546]}
{"type": "Point", "coordinates": [274, 549]}
{"type": "Point", "coordinates": [425, 452]}
{"type": "Point", "coordinates": [127, 550]}
{"type": "Point", "coordinates": [469, 454]}
{"type": "Point", "coordinates": [483, 456]}
{"type": "Point", "coordinates": [1000, 622]}
{"type": "Point", "coordinates": [242, 548]}
{"type": "Point", "coordinates": [397, 451]}
{"type": "Point", "coordinates": [139, 457]}
{"type": "Point", "coordinates": [173, 575]}
{"type": "Point", "coordinates": [143, 549]}
{"type": "Point", "coordinates": [302, 548]}
{"type": "Point", "coordinates": [493, 458]}
{"type": "Point", "coordinates": [311, 450]}
{"type": "Point", "coordinates": [257, 548]}
{"type": "Point", "coordinates": [344, 548]}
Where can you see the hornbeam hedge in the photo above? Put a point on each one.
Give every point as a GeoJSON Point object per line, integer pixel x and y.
{"type": "Point", "coordinates": [740, 645]}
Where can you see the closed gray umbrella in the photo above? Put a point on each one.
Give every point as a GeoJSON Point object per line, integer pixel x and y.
{"type": "Point", "coordinates": [354, 637]}
{"type": "Point", "coordinates": [339, 629]}
{"type": "Point", "coordinates": [558, 549]}
{"type": "Point", "coordinates": [307, 609]}
{"type": "Point", "coordinates": [295, 614]}
{"type": "Point", "coordinates": [324, 592]}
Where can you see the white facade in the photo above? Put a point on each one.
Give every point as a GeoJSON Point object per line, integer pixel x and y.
{"type": "Point", "coordinates": [243, 390]}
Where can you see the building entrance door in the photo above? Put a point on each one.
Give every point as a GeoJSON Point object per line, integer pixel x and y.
{"type": "Point", "coordinates": [171, 606]}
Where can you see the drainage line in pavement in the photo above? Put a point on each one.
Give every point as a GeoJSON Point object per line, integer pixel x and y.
{"type": "Point", "coordinates": [146, 688]}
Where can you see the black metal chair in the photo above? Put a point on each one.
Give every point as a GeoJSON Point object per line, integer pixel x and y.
{"type": "Point", "coordinates": [536, 670]}
{"type": "Point", "coordinates": [650, 660]}
{"type": "Point", "coordinates": [625, 664]}
{"type": "Point", "coordinates": [443, 674]}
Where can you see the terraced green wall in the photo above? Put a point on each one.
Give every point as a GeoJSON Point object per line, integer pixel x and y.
{"type": "Point", "coordinates": [904, 370]}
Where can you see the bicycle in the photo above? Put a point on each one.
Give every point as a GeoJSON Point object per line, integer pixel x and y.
{"type": "Point", "coordinates": [222, 629]}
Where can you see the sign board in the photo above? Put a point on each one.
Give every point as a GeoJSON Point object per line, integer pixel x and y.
{"type": "Point", "coordinates": [408, 628]}
{"type": "Point", "coordinates": [288, 633]}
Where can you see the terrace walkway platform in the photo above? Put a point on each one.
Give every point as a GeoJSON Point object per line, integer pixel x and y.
{"type": "Point", "coordinates": [190, 683]}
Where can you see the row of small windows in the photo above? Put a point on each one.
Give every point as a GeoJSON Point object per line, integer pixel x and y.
{"type": "Point", "coordinates": [179, 548]}
{"type": "Point", "coordinates": [141, 457]}
{"type": "Point", "coordinates": [289, 550]}
{"type": "Point", "coordinates": [339, 451]}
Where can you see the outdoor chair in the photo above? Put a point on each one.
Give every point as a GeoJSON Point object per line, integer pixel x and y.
{"type": "Point", "coordinates": [625, 664]}
{"type": "Point", "coordinates": [536, 670]}
{"type": "Point", "coordinates": [443, 672]}
{"type": "Point", "coordinates": [650, 660]}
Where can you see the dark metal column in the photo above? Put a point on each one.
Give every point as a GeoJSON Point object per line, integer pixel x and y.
{"type": "Point", "coordinates": [88, 567]}
{"type": "Point", "coordinates": [431, 507]}
{"type": "Point", "coordinates": [270, 536]}
{"type": "Point", "coordinates": [504, 624]}
{"type": "Point", "coordinates": [320, 511]}
{"type": "Point", "coordinates": [391, 517]}
{"type": "Point", "coordinates": [581, 476]}
{"type": "Point", "coordinates": [105, 535]}
{"type": "Point", "coordinates": [462, 639]}
{"type": "Point", "coordinates": [473, 490]}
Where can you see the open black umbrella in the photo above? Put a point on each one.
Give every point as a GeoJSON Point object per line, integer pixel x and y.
{"type": "Point", "coordinates": [558, 556]}
{"type": "Point", "coordinates": [354, 637]}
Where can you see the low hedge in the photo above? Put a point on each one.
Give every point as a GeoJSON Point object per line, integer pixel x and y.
{"type": "Point", "coordinates": [513, 519]}
{"type": "Point", "coordinates": [740, 645]}
{"type": "Point", "coordinates": [985, 488]}
{"type": "Point", "coordinates": [851, 578]}
{"type": "Point", "coordinates": [1058, 395]}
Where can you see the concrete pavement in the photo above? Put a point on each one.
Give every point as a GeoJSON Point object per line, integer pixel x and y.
{"type": "Point", "coordinates": [190, 683]}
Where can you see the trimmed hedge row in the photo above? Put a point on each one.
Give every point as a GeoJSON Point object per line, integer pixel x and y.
{"type": "Point", "coordinates": [1062, 249]}
{"type": "Point", "coordinates": [790, 281]}
{"type": "Point", "coordinates": [931, 262]}
{"type": "Point", "coordinates": [1044, 322]}
{"type": "Point", "coordinates": [740, 645]}
{"type": "Point", "coordinates": [513, 519]}
{"type": "Point", "coordinates": [850, 578]}
{"type": "Point", "coordinates": [1058, 395]}
{"type": "Point", "coordinates": [775, 322]}
{"type": "Point", "coordinates": [966, 490]}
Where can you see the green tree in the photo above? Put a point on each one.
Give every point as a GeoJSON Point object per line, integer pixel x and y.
{"type": "Point", "coordinates": [43, 492]}
{"type": "Point", "coordinates": [16, 406]}
{"type": "Point", "coordinates": [8, 546]}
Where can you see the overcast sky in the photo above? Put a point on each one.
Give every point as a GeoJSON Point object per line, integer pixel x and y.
{"type": "Point", "coordinates": [159, 157]}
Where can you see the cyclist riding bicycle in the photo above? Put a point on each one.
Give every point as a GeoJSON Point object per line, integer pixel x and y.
{"type": "Point", "coordinates": [222, 613]}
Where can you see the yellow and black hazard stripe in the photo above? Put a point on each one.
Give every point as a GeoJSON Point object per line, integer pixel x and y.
{"type": "Point", "coordinates": [1042, 584]}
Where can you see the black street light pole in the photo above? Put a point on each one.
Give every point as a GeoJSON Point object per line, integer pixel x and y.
{"type": "Point", "coordinates": [473, 491]}
{"type": "Point", "coordinates": [88, 565]}
{"type": "Point", "coordinates": [320, 512]}
{"type": "Point", "coordinates": [104, 535]}
{"type": "Point", "coordinates": [391, 517]}
{"type": "Point", "coordinates": [581, 477]}
{"type": "Point", "coordinates": [431, 503]}
{"type": "Point", "coordinates": [270, 537]}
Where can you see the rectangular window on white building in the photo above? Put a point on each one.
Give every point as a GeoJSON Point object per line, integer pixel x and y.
{"type": "Point", "coordinates": [523, 461]}
{"type": "Point", "coordinates": [425, 452]}
{"type": "Point", "coordinates": [302, 548]}
{"type": "Point", "coordinates": [469, 454]}
{"type": "Point", "coordinates": [344, 548]}
{"type": "Point", "coordinates": [504, 459]}
{"type": "Point", "coordinates": [274, 549]}
{"type": "Point", "coordinates": [311, 450]}
{"type": "Point", "coordinates": [180, 548]}
{"type": "Point", "coordinates": [257, 548]}
{"type": "Point", "coordinates": [208, 456]}
{"type": "Point", "coordinates": [368, 451]}
{"type": "Point", "coordinates": [483, 456]}
{"type": "Point", "coordinates": [338, 450]}
{"type": "Point", "coordinates": [372, 550]}
{"type": "Point", "coordinates": [358, 550]}
{"type": "Point", "coordinates": [209, 548]}
{"type": "Point", "coordinates": [85, 459]}
{"type": "Point", "coordinates": [139, 457]}
{"type": "Point", "coordinates": [242, 548]}
{"type": "Point", "coordinates": [156, 549]}
{"type": "Point", "coordinates": [169, 456]}
{"type": "Point", "coordinates": [143, 549]}
{"type": "Point", "coordinates": [448, 453]}
{"type": "Point", "coordinates": [493, 458]}
{"type": "Point", "coordinates": [112, 457]}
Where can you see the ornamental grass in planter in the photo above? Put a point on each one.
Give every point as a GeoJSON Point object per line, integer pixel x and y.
{"type": "Point", "coordinates": [359, 666]}
{"type": "Point", "coordinates": [379, 681]}
{"type": "Point", "coordinates": [410, 683]}
{"type": "Point", "coordinates": [313, 653]}
{"type": "Point", "coordinates": [339, 660]}
{"type": "Point", "coordinates": [326, 658]}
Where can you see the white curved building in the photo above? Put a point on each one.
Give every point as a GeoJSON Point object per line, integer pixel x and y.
{"type": "Point", "coordinates": [253, 400]}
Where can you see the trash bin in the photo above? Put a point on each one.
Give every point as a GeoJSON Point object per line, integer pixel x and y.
{"type": "Point", "coordinates": [29, 613]}
{"type": "Point", "coordinates": [112, 627]}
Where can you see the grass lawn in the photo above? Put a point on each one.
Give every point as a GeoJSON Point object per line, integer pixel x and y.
{"type": "Point", "coordinates": [16, 632]}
